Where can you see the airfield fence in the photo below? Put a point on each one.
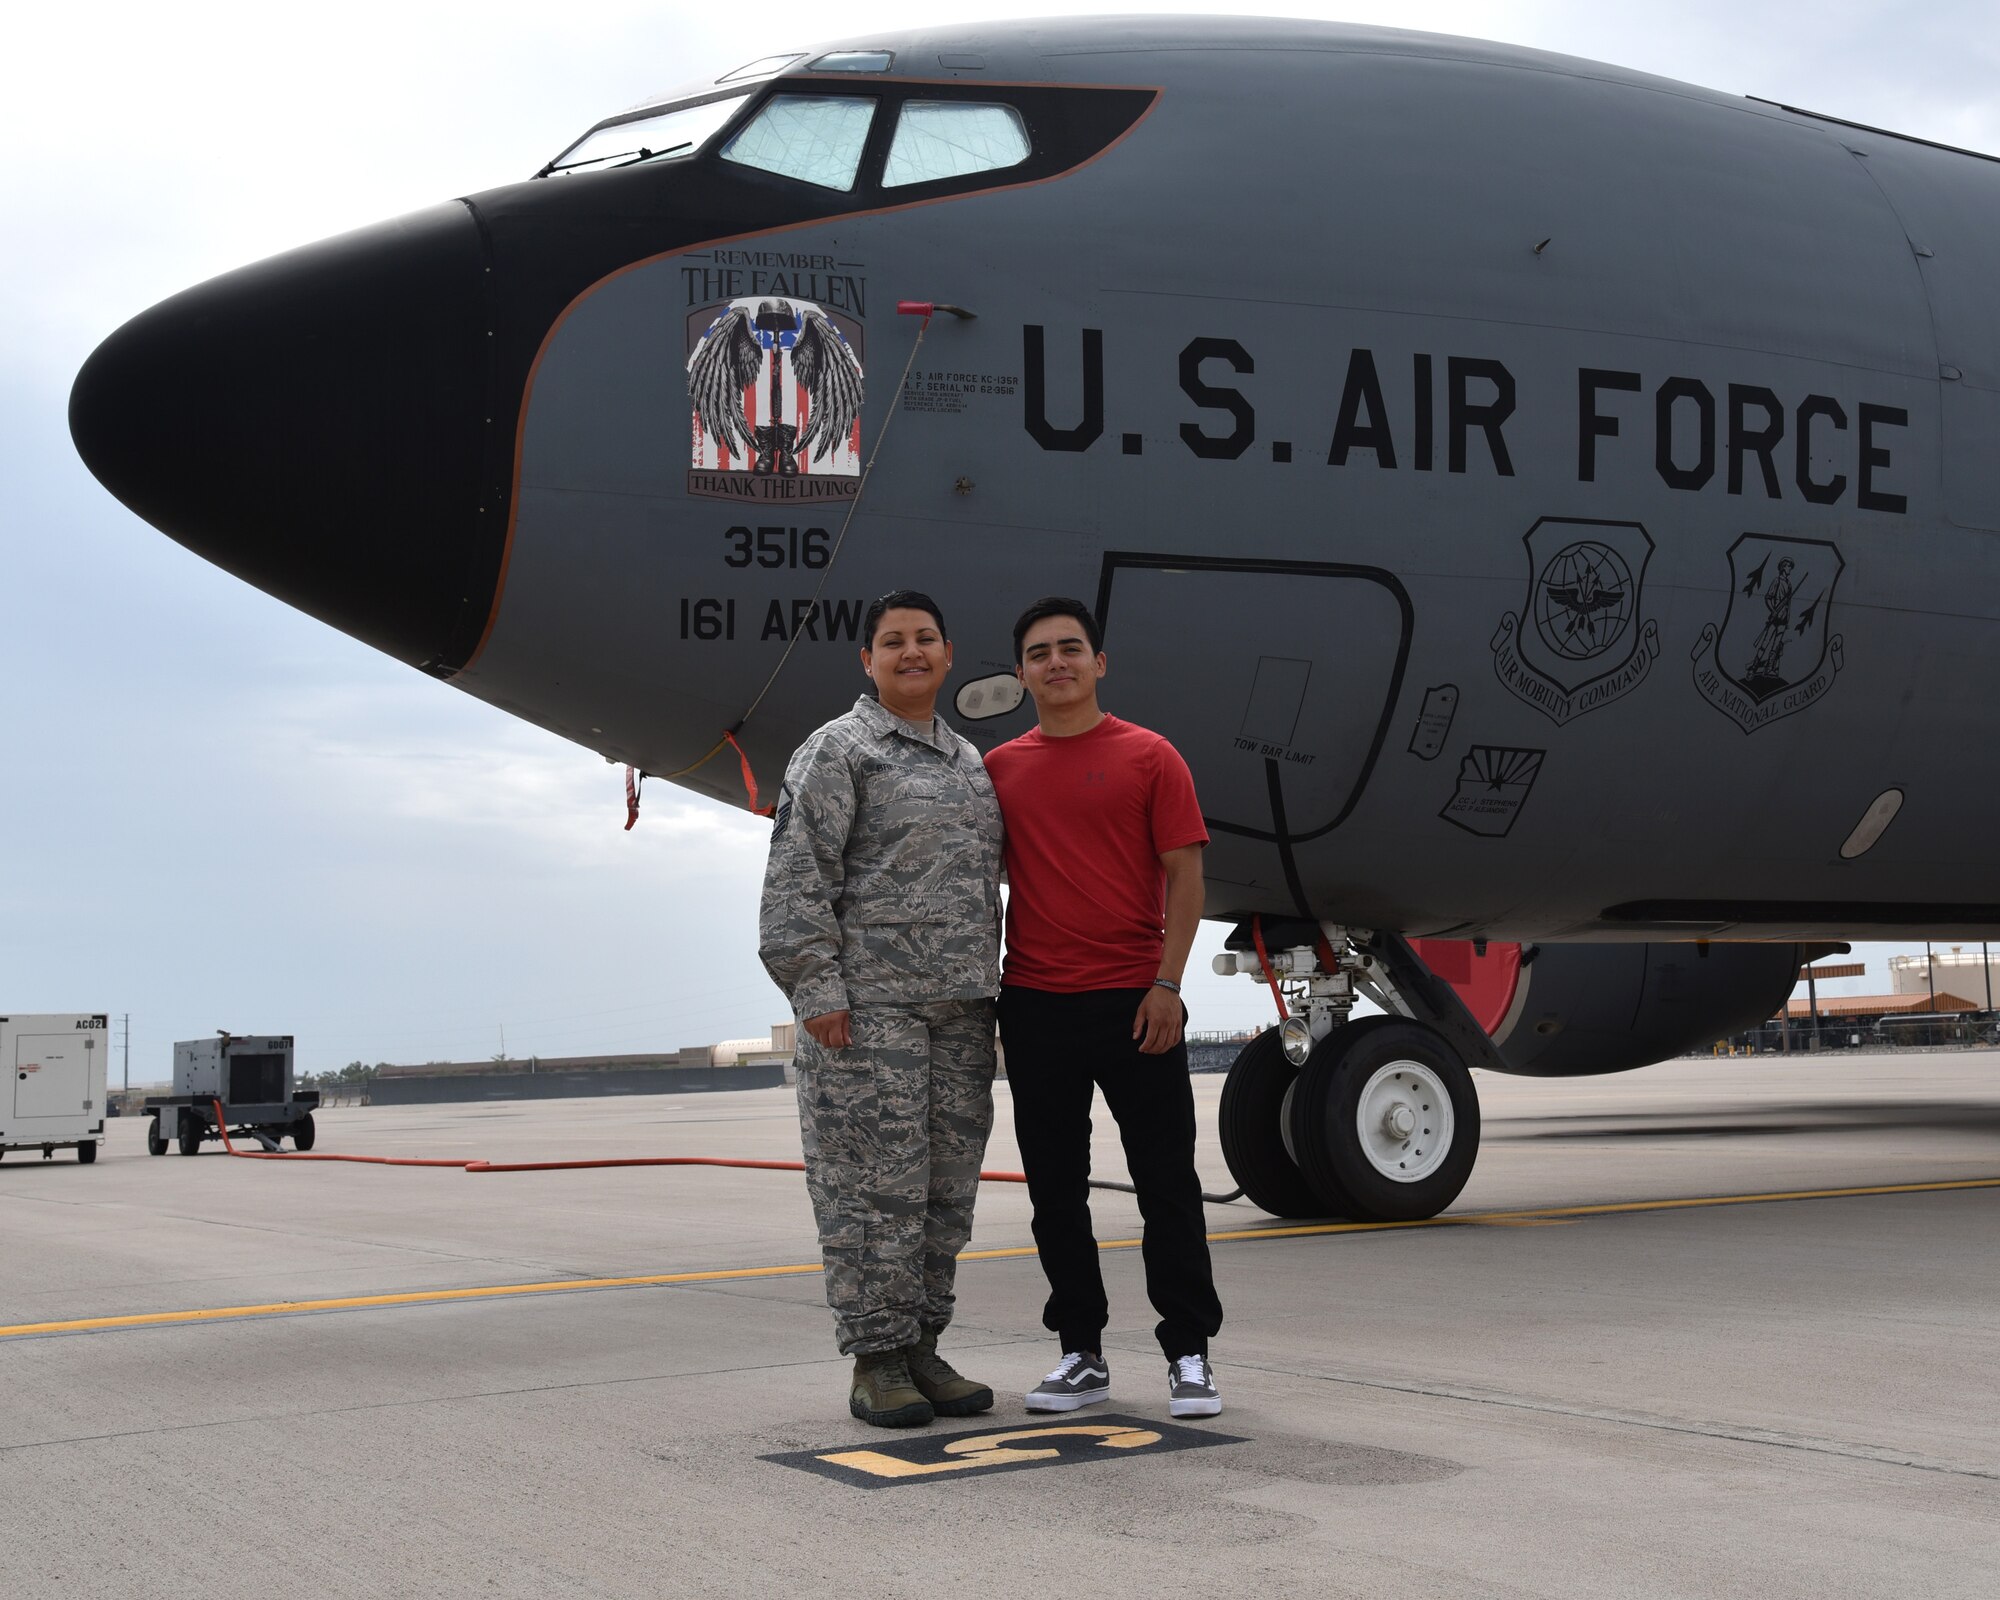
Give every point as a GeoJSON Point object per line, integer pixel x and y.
{"type": "Point", "coordinates": [1915, 1032]}
{"type": "Point", "coordinates": [1214, 1049]}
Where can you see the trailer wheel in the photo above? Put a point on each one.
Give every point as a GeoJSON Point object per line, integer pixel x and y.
{"type": "Point", "coordinates": [303, 1132]}
{"type": "Point", "coordinates": [86, 1151]}
{"type": "Point", "coordinates": [190, 1139]}
{"type": "Point", "coordinates": [156, 1141]}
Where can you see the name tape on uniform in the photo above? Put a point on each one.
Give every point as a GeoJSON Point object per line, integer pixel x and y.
{"type": "Point", "coordinates": [928, 1457]}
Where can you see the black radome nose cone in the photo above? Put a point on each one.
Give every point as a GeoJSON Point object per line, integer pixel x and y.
{"type": "Point", "coordinates": [316, 425]}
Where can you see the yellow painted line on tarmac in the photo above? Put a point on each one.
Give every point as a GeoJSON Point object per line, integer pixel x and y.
{"type": "Point", "coordinates": [415, 1297]}
{"type": "Point", "coordinates": [1547, 1216]}
{"type": "Point", "coordinates": [1614, 1208]}
{"type": "Point", "coordinates": [1521, 1222]}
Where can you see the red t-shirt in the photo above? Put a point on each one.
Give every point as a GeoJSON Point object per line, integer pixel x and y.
{"type": "Point", "coordinates": [1088, 818]}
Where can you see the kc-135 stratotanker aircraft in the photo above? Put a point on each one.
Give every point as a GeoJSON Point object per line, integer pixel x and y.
{"type": "Point", "coordinates": [1547, 504]}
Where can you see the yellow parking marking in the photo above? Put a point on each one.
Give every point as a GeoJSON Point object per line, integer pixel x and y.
{"type": "Point", "coordinates": [927, 1457]}
{"type": "Point", "coordinates": [1521, 1222]}
{"type": "Point", "coordinates": [1542, 1217]}
{"type": "Point", "coordinates": [990, 1450]}
{"type": "Point", "coordinates": [415, 1297]}
{"type": "Point", "coordinates": [1614, 1208]}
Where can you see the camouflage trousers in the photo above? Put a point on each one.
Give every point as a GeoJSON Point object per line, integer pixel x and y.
{"type": "Point", "coordinates": [894, 1128]}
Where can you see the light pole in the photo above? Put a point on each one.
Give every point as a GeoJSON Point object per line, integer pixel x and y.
{"type": "Point", "coordinates": [1930, 975]}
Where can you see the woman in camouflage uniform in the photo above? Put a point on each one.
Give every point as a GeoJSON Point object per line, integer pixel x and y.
{"type": "Point", "coordinates": [880, 920]}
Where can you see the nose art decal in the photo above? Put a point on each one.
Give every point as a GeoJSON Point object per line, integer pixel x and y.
{"type": "Point", "coordinates": [774, 385]}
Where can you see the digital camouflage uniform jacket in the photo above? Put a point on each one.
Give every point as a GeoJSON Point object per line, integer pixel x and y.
{"type": "Point", "coordinates": [883, 884]}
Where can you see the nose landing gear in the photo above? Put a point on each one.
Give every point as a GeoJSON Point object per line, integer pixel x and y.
{"type": "Point", "coordinates": [1374, 1119]}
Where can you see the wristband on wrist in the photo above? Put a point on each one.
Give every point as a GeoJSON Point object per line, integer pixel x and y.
{"type": "Point", "coordinates": [1167, 984]}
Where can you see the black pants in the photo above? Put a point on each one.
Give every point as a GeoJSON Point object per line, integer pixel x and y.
{"type": "Point", "coordinates": [1057, 1046]}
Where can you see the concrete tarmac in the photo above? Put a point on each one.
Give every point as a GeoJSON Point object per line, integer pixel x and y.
{"type": "Point", "coordinates": [1536, 1397]}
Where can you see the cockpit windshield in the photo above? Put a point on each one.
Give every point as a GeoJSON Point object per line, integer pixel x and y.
{"type": "Point", "coordinates": [659, 133]}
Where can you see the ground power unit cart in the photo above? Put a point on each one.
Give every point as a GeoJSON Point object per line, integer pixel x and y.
{"type": "Point", "coordinates": [54, 1092]}
{"type": "Point", "coordinates": [250, 1076]}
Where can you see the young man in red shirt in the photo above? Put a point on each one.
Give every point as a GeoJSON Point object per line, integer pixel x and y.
{"type": "Point", "coordinates": [1103, 852]}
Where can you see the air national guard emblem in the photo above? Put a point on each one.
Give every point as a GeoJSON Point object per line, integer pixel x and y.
{"type": "Point", "coordinates": [775, 388]}
{"type": "Point", "coordinates": [1772, 655]}
{"type": "Point", "coordinates": [1580, 642]}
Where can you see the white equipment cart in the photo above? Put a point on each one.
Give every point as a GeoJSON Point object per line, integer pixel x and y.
{"type": "Point", "coordinates": [55, 1064]}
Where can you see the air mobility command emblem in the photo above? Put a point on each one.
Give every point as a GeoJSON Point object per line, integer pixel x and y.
{"type": "Point", "coordinates": [1774, 652]}
{"type": "Point", "coordinates": [1580, 641]}
{"type": "Point", "coordinates": [774, 387]}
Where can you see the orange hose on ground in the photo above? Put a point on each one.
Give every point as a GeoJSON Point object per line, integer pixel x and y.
{"type": "Point", "coordinates": [229, 1146]}
{"type": "Point", "coordinates": [682, 1161]}
{"type": "Point", "coordinates": [222, 1127]}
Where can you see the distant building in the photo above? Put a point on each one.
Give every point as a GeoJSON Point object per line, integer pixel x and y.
{"type": "Point", "coordinates": [773, 1051]}
{"type": "Point", "coordinates": [1869, 1021]}
{"type": "Point", "coordinates": [1871, 1008]}
{"type": "Point", "coordinates": [1958, 969]}
{"type": "Point", "coordinates": [732, 1064]}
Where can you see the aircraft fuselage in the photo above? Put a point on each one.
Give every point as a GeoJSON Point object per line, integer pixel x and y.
{"type": "Point", "coordinates": [1541, 501]}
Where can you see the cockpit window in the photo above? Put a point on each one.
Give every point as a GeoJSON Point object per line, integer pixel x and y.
{"type": "Point", "coordinates": [814, 138]}
{"type": "Point", "coordinates": [854, 61]}
{"type": "Point", "coordinates": [668, 133]}
{"type": "Point", "coordinates": [762, 67]}
{"type": "Point", "coordinates": [949, 139]}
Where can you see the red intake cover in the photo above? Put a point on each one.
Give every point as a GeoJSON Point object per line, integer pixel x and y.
{"type": "Point", "coordinates": [1484, 982]}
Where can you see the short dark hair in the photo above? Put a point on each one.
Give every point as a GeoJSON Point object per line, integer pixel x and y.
{"type": "Point", "coordinates": [1058, 605]}
{"type": "Point", "coordinates": [902, 600]}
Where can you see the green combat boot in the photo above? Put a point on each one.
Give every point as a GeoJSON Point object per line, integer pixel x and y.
{"type": "Point", "coordinates": [950, 1394]}
{"type": "Point", "coordinates": [883, 1393]}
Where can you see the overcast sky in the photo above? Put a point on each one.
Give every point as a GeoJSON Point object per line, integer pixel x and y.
{"type": "Point", "coordinates": [220, 813]}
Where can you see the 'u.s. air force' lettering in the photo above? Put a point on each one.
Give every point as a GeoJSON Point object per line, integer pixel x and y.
{"type": "Point", "coordinates": [970, 1455]}
{"type": "Point", "coordinates": [1425, 411]}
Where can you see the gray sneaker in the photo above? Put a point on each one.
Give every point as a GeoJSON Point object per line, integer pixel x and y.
{"type": "Point", "coordinates": [1081, 1378]}
{"type": "Point", "coordinates": [1191, 1388]}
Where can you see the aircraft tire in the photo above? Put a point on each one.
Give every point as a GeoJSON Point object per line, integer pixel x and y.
{"type": "Point", "coordinates": [1251, 1123]}
{"type": "Point", "coordinates": [1386, 1116]}
{"type": "Point", "coordinates": [303, 1132]}
{"type": "Point", "coordinates": [156, 1141]}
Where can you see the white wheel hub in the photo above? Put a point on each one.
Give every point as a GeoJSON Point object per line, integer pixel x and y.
{"type": "Point", "coordinates": [1405, 1121]}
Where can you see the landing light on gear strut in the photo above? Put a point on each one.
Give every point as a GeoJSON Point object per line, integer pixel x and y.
{"type": "Point", "coordinates": [1375, 1119]}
